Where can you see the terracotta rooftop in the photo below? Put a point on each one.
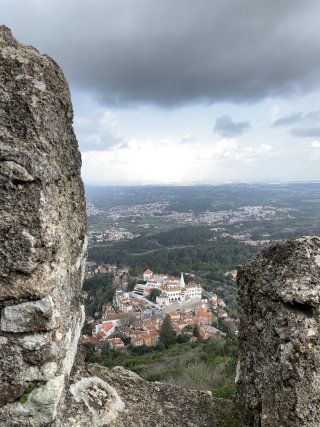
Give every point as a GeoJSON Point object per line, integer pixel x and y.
{"type": "Point", "coordinates": [107, 326]}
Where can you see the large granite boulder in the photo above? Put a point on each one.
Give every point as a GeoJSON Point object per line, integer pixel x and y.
{"type": "Point", "coordinates": [42, 235]}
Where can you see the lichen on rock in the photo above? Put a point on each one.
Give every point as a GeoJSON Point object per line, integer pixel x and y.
{"type": "Point", "coordinates": [279, 334]}
{"type": "Point", "coordinates": [42, 235]}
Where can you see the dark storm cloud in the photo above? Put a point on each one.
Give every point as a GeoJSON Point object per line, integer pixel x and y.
{"type": "Point", "coordinates": [172, 52]}
{"type": "Point", "coordinates": [225, 126]}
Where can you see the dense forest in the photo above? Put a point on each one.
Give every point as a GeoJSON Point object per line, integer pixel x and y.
{"type": "Point", "coordinates": [183, 249]}
{"type": "Point", "coordinates": [185, 236]}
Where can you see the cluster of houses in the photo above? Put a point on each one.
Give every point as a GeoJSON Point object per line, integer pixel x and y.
{"type": "Point", "coordinates": [125, 303]}
{"type": "Point", "coordinates": [112, 234]}
{"type": "Point", "coordinates": [136, 327]}
{"type": "Point", "coordinates": [92, 268]}
{"type": "Point", "coordinates": [130, 320]}
{"type": "Point", "coordinates": [144, 330]}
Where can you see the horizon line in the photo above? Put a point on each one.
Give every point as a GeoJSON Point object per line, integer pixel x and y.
{"type": "Point", "coordinates": [208, 183]}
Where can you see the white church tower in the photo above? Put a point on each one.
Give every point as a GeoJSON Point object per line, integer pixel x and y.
{"type": "Point", "coordinates": [182, 283]}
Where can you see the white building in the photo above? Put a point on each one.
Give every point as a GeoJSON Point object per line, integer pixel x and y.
{"type": "Point", "coordinates": [194, 291]}
{"type": "Point", "coordinates": [122, 301]}
{"type": "Point", "coordinates": [147, 275]}
{"type": "Point", "coordinates": [175, 290]}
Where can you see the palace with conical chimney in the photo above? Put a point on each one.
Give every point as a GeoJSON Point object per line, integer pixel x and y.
{"type": "Point", "coordinates": [173, 290]}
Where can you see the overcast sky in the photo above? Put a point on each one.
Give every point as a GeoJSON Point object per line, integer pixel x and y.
{"type": "Point", "coordinates": [185, 90]}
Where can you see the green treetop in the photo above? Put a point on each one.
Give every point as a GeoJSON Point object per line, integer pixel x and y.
{"type": "Point", "coordinates": [167, 335]}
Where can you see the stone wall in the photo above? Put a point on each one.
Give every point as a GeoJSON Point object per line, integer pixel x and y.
{"type": "Point", "coordinates": [279, 335]}
{"type": "Point", "coordinates": [42, 235]}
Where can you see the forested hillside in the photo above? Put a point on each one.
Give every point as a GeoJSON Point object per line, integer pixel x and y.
{"type": "Point", "coordinates": [186, 249]}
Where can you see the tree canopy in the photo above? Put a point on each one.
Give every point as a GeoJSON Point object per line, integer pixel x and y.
{"type": "Point", "coordinates": [155, 292]}
{"type": "Point", "coordinates": [167, 335]}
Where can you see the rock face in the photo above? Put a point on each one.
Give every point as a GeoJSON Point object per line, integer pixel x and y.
{"type": "Point", "coordinates": [119, 398]}
{"type": "Point", "coordinates": [279, 335]}
{"type": "Point", "coordinates": [100, 397]}
{"type": "Point", "coordinates": [42, 235]}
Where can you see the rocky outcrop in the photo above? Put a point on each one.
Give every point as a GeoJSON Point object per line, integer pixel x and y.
{"type": "Point", "coordinates": [119, 398]}
{"type": "Point", "coordinates": [279, 335]}
{"type": "Point", "coordinates": [42, 235]}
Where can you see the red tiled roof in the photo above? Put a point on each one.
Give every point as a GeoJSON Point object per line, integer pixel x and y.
{"type": "Point", "coordinates": [201, 312]}
{"type": "Point", "coordinates": [107, 326]}
{"type": "Point", "coordinates": [85, 339]}
{"type": "Point", "coordinates": [116, 341]}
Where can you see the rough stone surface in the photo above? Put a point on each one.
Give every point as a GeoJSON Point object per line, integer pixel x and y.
{"type": "Point", "coordinates": [29, 316]}
{"type": "Point", "coordinates": [279, 374]}
{"type": "Point", "coordinates": [42, 235]}
{"type": "Point", "coordinates": [120, 398]}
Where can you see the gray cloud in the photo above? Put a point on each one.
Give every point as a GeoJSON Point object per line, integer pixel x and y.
{"type": "Point", "coordinates": [174, 52]}
{"type": "Point", "coordinates": [288, 120]}
{"type": "Point", "coordinates": [225, 126]}
{"type": "Point", "coordinates": [306, 132]}
{"type": "Point", "coordinates": [308, 125]}
{"type": "Point", "coordinates": [98, 142]}
{"type": "Point", "coordinates": [96, 130]}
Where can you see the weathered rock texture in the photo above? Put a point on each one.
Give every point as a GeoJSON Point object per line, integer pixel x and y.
{"type": "Point", "coordinates": [42, 235]}
{"type": "Point", "coordinates": [120, 398]}
{"type": "Point", "coordinates": [279, 299]}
